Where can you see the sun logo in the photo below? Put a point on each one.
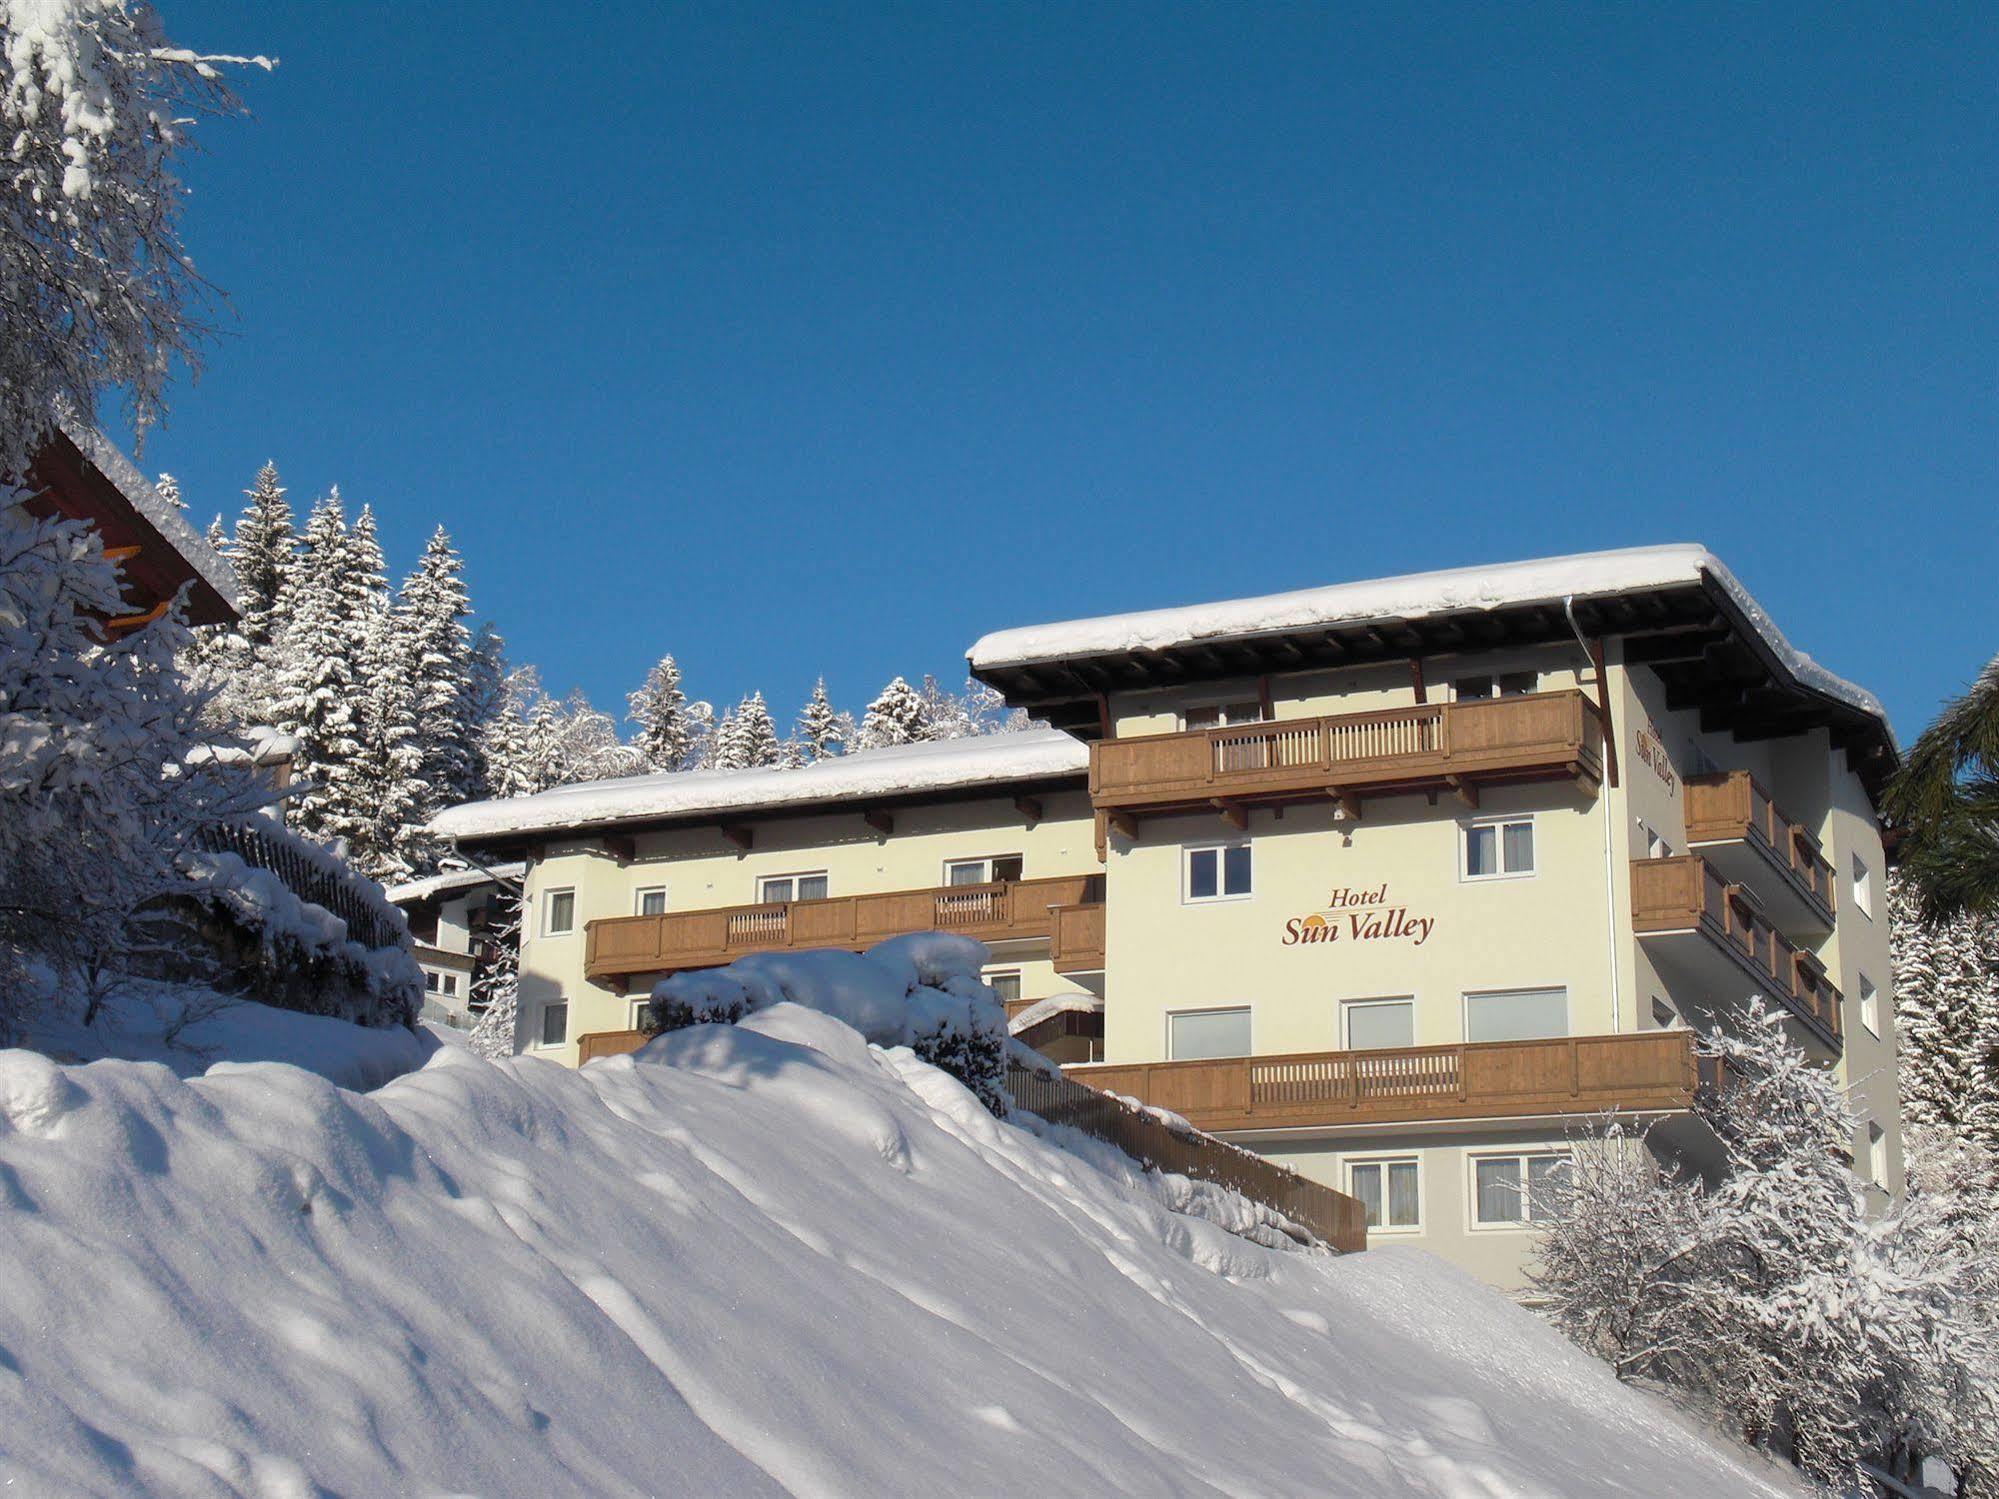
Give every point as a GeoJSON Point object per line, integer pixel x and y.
{"type": "Point", "coordinates": [1313, 928]}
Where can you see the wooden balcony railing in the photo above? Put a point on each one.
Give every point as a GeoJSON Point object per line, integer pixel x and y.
{"type": "Point", "coordinates": [616, 947]}
{"type": "Point", "coordinates": [1685, 894]}
{"type": "Point", "coordinates": [1733, 805]}
{"type": "Point", "coordinates": [1549, 735]}
{"type": "Point", "coordinates": [1648, 1071]}
{"type": "Point", "coordinates": [1077, 943]}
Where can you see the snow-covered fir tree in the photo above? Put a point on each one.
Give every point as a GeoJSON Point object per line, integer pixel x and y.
{"type": "Point", "coordinates": [673, 732]}
{"type": "Point", "coordinates": [437, 662]}
{"type": "Point", "coordinates": [261, 554]}
{"type": "Point", "coordinates": [747, 738]}
{"type": "Point", "coordinates": [497, 992]}
{"type": "Point", "coordinates": [896, 716]}
{"type": "Point", "coordinates": [820, 731]}
{"type": "Point", "coordinates": [387, 772]}
{"type": "Point", "coordinates": [1946, 1018]}
{"type": "Point", "coordinates": [535, 742]}
{"type": "Point", "coordinates": [96, 108]}
{"type": "Point", "coordinates": [318, 656]}
{"type": "Point", "coordinates": [168, 489]}
{"type": "Point", "coordinates": [485, 700]}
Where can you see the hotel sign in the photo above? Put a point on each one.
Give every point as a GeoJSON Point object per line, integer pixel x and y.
{"type": "Point", "coordinates": [1365, 915]}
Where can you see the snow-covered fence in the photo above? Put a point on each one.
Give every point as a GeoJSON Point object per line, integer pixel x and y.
{"type": "Point", "coordinates": [313, 875]}
{"type": "Point", "coordinates": [1176, 1147]}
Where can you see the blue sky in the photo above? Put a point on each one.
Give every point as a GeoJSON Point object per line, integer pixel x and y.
{"type": "Point", "coordinates": [803, 339]}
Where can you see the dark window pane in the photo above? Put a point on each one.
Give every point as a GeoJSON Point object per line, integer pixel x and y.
{"type": "Point", "coordinates": [812, 887]}
{"type": "Point", "coordinates": [1499, 1190]}
{"type": "Point", "coordinates": [1519, 847]}
{"type": "Point", "coordinates": [1366, 1182]}
{"type": "Point", "coordinates": [1235, 871]}
{"type": "Point", "coordinates": [1201, 874]}
{"type": "Point", "coordinates": [554, 1024]}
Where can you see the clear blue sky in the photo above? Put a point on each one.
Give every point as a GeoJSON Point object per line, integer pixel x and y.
{"type": "Point", "coordinates": [801, 339]}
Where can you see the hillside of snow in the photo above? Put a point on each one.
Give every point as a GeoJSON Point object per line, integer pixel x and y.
{"type": "Point", "coordinates": [760, 1259]}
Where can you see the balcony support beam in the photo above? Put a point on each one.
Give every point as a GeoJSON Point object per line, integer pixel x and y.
{"type": "Point", "coordinates": [879, 820]}
{"type": "Point", "coordinates": [1232, 813]}
{"type": "Point", "coordinates": [1349, 801]}
{"type": "Point", "coordinates": [1029, 807]}
{"type": "Point", "coordinates": [742, 837]}
{"type": "Point", "coordinates": [1467, 791]}
{"type": "Point", "coordinates": [623, 849]}
{"type": "Point", "coordinates": [1123, 824]}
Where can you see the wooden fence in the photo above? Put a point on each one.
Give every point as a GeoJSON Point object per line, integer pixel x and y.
{"type": "Point", "coordinates": [312, 875]}
{"type": "Point", "coordinates": [1338, 1219]}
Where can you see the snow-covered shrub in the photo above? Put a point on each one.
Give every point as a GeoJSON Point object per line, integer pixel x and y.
{"type": "Point", "coordinates": [922, 991]}
{"type": "Point", "coordinates": [1774, 1294]}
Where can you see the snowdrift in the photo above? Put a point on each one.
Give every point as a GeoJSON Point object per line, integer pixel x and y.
{"type": "Point", "coordinates": [755, 1259]}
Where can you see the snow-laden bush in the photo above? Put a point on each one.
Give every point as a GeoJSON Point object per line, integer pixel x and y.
{"type": "Point", "coordinates": [922, 991]}
{"type": "Point", "coordinates": [1806, 1320]}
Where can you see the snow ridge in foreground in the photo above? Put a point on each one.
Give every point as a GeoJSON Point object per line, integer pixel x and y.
{"type": "Point", "coordinates": [757, 1259]}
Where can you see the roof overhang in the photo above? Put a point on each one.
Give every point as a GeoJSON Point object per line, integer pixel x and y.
{"type": "Point", "coordinates": [1693, 624]}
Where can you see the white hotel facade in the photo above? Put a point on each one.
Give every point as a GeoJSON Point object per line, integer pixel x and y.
{"type": "Point", "coordinates": [1396, 882]}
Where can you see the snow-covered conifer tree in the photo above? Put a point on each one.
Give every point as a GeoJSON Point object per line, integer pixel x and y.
{"type": "Point", "coordinates": [168, 489]}
{"type": "Point", "coordinates": [498, 990]}
{"type": "Point", "coordinates": [747, 737]}
{"type": "Point", "coordinates": [896, 716]}
{"type": "Point", "coordinates": [437, 662]}
{"type": "Point", "coordinates": [1946, 1018]}
{"type": "Point", "coordinates": [820, 730]}
{"type": "Point", "coordinates": [262, 554]}
{"type": "Point", "coordinates": [672, 731]}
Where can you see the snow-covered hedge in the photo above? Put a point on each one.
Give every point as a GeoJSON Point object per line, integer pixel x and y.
{"type": "Point", "coordinates": [922, 991]}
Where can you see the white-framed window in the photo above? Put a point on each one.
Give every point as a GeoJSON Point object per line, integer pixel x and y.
{"type": "Point", "coordinates": [554, 1023]}
{"type": "Point", "coordinates": [650, 901]}
{"type": "Point", "coordinates": [780, 889]}
{"type": "Point", "coordinates": [1869, 1166]}
{"type": "Point", "coordinates": [1655, 846]}
{"type": "Point", "coordinates": [1391, 1189]}
{"type": "Point", "coordinates": [1192, 1035]}
{"type": "Point", "coordinates": [1373, 1024]}
{"type": "Point", "coordinates": [636, 1020]}
{"type": "Point", "coordinates": [1495, 684]}
{"type": "Point", "coordinates": [430, 980]}
{"type": "Point", "coordinates": [1216, 871]}
{"type": "Point", "coordinates": [1496, 848]}
{"type": "Point", "coordinates": [1517, 1189]}
{"type": "Point", "coordinates": [1005, 982]}
{"type": "Point", "coordinates": [558, 912]}
{"type": "Point", "coordinates": [1863, 887]}
{"type": "Point", "coordinates": [450, 983]}
{"type": "Point", "coordinates": [1220, 715]}
{"type": "Point", "coordinates": [1870, 1007]}
{"type": "Point", "coordinates": [986, 871]}
{"type": "Point", "coordinates": [1516, 1014]}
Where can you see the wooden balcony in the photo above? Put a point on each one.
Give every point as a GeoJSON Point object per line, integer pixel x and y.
{"type": "Point", "coordinates": [1643, 1072]}
{"type": "Point", "coordinates": [1712, 935]}
{"type": "Point", "coordinates": [1733, 823]}
{"type": "Point", "coordinates": [617, 947]}
{"type": "Point", "coordinates": [1425, 747]}
{"type": "Point", "coordinates": [1077, 942]}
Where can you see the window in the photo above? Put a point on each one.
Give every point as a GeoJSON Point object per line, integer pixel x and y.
{"type": "Point", "coordinates": [1371, 1024]}
{"type": "Point", "coordinates": [1517, 1189]}
{"type": "Point", "coordinates": [450, 983]}
{"type": "Point", "coordinates": [1194, 1034]}
{"type": "Point", "coordinates": [1000, 867]}
{"type": "Point", "coordinates": [559, 913]}
{"type": "Point", "coordinates": [554, 1024]}
{"type": "Point", "coordinates": [1005, 983]}
{"type": "Point", "coordinates": [1870, 1007]}
{"type": "Point", "coordinates": [1868, 1166]}
{"type": "Point", "coordinates": [651, 901]}
{"type": "Point", "coordinates": [1499, 850]}
{"type": "Point", "coordinates": [1221, 715]}
{"type": "Point", "coordinates": [430, 981]}
{"type": "Point", "coordinates": [1218, 872]}
{"type": "Point", "coordinates": [1389, 1190]}
{"type": "Point", "coordinates": [1502, 684]}
{"type": "Point", "coordinates": [779, 889]}
{"type": "Point", "coordinates": [1516, 1014]}
{"type": "Point", "coordinates": [1863, 888]}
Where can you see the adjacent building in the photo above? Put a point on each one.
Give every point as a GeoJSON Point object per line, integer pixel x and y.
{"type": "Point", "coordinates": [457, 919]}
{"type": "Point", "coordinates": [1396, 882]}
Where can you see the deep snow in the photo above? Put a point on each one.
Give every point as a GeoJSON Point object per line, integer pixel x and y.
{"type": "Point", "coordinates": [756, 1259]}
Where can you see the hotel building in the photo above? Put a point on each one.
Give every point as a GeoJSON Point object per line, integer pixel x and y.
{"type": "Point", "coordinates": [1395, 882]}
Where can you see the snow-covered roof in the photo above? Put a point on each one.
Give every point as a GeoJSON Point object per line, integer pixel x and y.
{"type": "Point", "coordinates": [940, 766]}
{"type": "Point", "coordinates": [452, 879]}
{"type": "Point", "coordinates": [1053, 1005]}
{"type": "Point", "coordinates": [164, 516]}
{"type": "Point", "coordinates": [1547, 580]}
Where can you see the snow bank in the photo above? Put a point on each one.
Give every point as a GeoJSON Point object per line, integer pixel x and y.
{"type": "Point", "coordinates": [983, 760]}
{"type": "Point", "coordinates": [749, 1260]}
{"type": "Point", "coordinates": [1412, 596]}
{"type": "Point", "coordinates": [922, 990]}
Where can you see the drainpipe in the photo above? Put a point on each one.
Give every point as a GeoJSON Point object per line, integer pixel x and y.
{"type": "Point", "coordinates": [1609, 840]}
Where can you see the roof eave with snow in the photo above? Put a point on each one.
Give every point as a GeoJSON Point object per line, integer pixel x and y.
{"type": "Point", "coordinates": [992, 764]}
{"type": "Point", "coordinates": [1679, 598]}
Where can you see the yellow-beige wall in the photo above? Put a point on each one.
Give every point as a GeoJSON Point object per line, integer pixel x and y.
{"type": "Point", "coordinates": [702, 870]}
